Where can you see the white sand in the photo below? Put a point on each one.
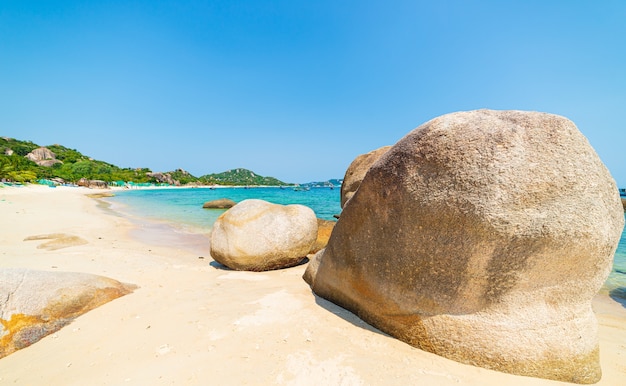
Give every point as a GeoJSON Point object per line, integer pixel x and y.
{"type": "Point", "coordinates": [191, 323]}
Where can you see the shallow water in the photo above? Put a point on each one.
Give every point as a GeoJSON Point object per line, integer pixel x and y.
{"type": "Point", "coordinates": [616, 283]}
{"type": "Point", "coordinates": [180, 210]}
{"type": "Point", "coordinates": [184, 205]}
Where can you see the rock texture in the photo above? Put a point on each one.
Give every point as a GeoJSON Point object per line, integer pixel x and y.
{"type": "Point", "coordinates": [163, 178]}
{"type": "Point", "coordinates": [92, 184]}
{"type": "Point", "coordinates": [324, 230]}
{"type": "Point", "coordinates": [222, 203]}
{"type": "Point", "coordinates": [482, 237]}
{"type": "Point", "coordinates": [256, 235]}
{"type": "Point", "coordinates": [357, 170]}
{"type": "Point", "coordinates": [43, 156]}
{"type": "Point", "coordinates": [34, 304]}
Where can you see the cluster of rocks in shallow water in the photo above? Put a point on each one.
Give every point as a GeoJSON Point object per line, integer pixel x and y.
{"type": "Point", "coordinates": [480, 236]}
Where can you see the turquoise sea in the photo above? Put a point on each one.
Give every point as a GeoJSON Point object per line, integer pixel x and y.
{"type": "Point", "coordinates": [181, 209]}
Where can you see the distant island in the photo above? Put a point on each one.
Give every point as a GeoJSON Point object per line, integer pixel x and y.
{"type": "Point", "coordinates": [25, 161]}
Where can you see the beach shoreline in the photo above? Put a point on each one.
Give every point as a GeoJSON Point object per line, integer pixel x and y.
{"type": "Point", "coordinates": [192, 322]}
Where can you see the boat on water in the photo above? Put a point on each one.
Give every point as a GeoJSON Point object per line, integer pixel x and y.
{"type": "Point", "coordinates": [622, 193]}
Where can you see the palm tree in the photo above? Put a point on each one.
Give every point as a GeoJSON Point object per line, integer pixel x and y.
{"type": "Point", "coordinates": [10, 169]}
{"type": "Point", "coordinates": [6, 168]}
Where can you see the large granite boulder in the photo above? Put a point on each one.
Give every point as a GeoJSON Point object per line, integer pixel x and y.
{"type": "Point", "coordinates": [357, 170]}
{"type": "Point", "coordinates": [482, 237]}
{"type": "Point", "coordinates": [220, 203]}
{"type": "Point", "coordinates": [43, 156]}
{"type": "Point", "coordinates": [163, 178]}
{"type": "Point", "coordinates": [34, 304]}
{"type": "Point", "coordinates": [256, 235]}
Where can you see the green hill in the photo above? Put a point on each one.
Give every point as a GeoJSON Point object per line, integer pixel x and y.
{"type": "Point", "coordinates": [240, 177]}
{"type": "Point", "coordinates": [25, 161]}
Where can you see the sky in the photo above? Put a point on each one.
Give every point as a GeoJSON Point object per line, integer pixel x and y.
{"type": "Point", "coordinates": [297, 89]}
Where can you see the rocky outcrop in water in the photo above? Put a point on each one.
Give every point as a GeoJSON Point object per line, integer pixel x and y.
{"type": "Point", "coordinates": [221, 203]}
{"type": "Point", "coordinates": [256, 235]}
{"type": "Point", "coordinates": [34, 304]}
{"type": "Point", "coordinates": [482, 237]}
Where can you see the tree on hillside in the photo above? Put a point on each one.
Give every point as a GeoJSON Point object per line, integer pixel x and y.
{"type": "Point", "coordinates": [15, 168]}
{"type": "Point", "coordinates": [19, 147]}
{"type": "Point", "coordinates": [5, 168]}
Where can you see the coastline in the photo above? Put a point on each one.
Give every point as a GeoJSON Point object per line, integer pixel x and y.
{"type": "Point", "coordinates": [191, 322]}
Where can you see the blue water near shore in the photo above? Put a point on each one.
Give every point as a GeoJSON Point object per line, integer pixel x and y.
{"type": "Point", "coordinates": [616, 283]}
{"type": "Point", "coordinates": [183, 206]}
{"type": "Point", "coordinates": [182, 209]}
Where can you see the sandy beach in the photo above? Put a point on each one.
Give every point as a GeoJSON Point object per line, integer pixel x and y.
{"type": "Point", "coordinates": [190, 322]}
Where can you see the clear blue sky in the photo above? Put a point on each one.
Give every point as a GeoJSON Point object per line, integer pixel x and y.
{"type": "Point", "coordinates": [296, 89]}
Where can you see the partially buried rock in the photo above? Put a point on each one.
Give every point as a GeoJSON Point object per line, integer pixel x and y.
{"type": "Point", "coordinates": [57, 241]}
{"type": "Point", "coordinates": [482, 237]}
{"type": "Point", "coordinates": [357, 170]}
{"type": "Point", "coordinates": [256, 235]}
{"type": "Point", "coordinates": [34, 304]}
{"type": "Point", "coordinates": [222, 203]}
